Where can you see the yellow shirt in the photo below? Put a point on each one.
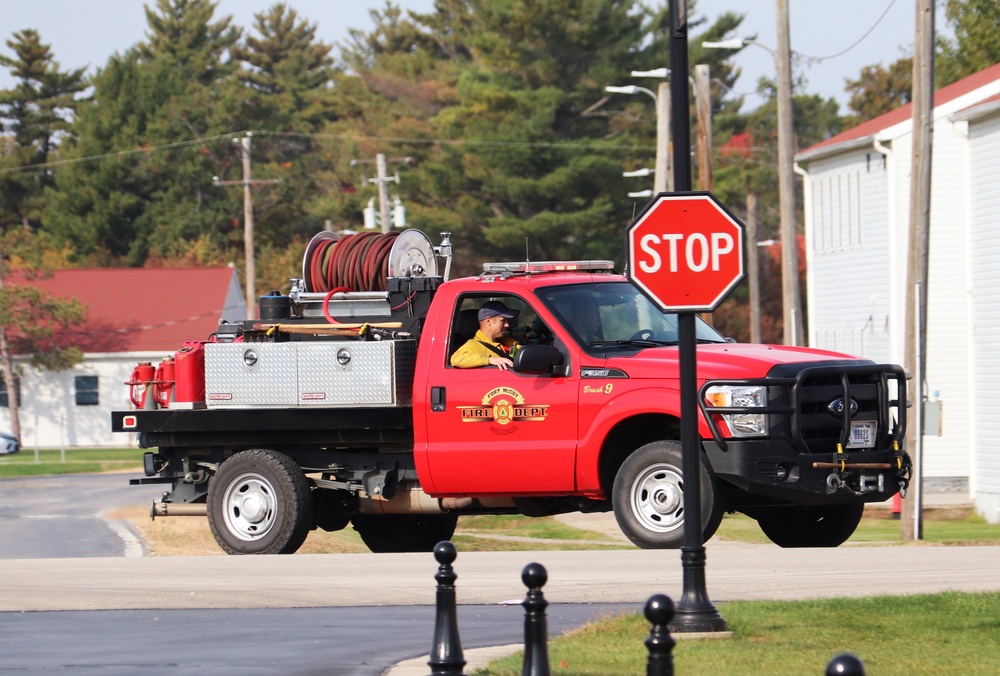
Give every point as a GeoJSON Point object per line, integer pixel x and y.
{"type": "Point", "coordinates": [473, 353]}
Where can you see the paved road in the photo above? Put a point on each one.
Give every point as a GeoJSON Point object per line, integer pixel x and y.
{"type": "Point", "coordinates": [63, 516]}
{"type": "Point", "coordinates": [342, 641]}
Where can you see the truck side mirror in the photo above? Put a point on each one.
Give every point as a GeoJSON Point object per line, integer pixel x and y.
{"type": "Point", "coordinates": [537, 359]}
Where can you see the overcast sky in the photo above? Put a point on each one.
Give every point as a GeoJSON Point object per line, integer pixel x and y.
{"type": "Point", "coordinates": [844, 35]}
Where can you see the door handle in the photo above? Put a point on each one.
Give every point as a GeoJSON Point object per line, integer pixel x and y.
{"type": "Point", "coordinates": [437, 399]}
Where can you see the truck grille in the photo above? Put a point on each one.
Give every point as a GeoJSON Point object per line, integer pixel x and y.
{"type": "Point", "coordinates": [858, 393]}
{"type": "Point", "coordinates": [813, 405]}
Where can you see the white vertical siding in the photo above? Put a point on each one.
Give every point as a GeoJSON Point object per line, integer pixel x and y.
{"type": "Point", "coordinates": [50, 417]}
{"type": "Point", "coordinates": [948, 341]}
{"type": "Point", "coordinates": [984, 217]}
{"type": "Point", "coordinates": [847, 248]}
{"type": "Point", "coordinates": [857, 228]}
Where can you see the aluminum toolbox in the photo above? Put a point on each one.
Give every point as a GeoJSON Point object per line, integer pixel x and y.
{"type": "Point", "coordinates": [333, 373]}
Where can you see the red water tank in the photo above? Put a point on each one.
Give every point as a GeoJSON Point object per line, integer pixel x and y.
{"type": "Point", "coordinates": [189, 369]}
{"type": "Point", "coordinates": [163, 385]}
{"type": "Point", "coordinates": [140, 384]}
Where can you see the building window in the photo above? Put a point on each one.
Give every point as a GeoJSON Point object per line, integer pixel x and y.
{"type": "Point", "coordinates": [86, 390]}
{"type": "Point", "coordinates": [4, 400]}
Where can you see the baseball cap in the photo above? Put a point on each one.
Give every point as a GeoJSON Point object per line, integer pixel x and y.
{"type": "Point", "coordinates": [495, 308]}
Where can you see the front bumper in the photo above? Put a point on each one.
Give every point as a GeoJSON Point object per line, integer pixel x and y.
{"type": "Point", "coordinates": [775, 469]}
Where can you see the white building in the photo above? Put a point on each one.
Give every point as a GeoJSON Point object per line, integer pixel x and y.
{"type": "Point", "coordinates": [135, 314]}
{"type": "Point", "coordinates": [857, 195]}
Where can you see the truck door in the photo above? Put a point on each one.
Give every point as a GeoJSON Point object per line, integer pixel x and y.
{"type": "Point", "coordinates": [499, 432]}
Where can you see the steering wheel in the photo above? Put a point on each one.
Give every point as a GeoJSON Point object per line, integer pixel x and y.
{"type": "Point", "coordinates": [643, 334]}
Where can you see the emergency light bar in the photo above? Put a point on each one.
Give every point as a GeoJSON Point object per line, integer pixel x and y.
{"type": "Point", "coordinates": [548, 266]}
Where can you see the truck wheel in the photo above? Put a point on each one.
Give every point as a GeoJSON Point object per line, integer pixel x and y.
{"type": "Point", "coordinates": [259, 502]}
{"type": "Point", "coordinates": [827, 526]}
{"type": "Point", "coordinates": [384, 533]}
{"type": "Point", "coordinates": [648, 497]}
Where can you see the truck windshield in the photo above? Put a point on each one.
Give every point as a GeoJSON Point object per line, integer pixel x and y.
{"type": "Point", "coordinates": [616, 315]}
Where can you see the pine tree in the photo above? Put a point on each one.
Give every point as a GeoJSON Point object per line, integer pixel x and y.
{"type": "Point", "coordinates": [33, 115]}
{"type": "Point", "coordinates": [286, 76]}
{"type": "Point", "coordinates": [159, 123]}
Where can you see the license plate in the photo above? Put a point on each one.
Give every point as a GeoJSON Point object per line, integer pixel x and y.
{"type": "Point", "coordinates": [862, 434]}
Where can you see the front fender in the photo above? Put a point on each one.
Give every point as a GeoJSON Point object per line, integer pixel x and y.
{"type": "Point", "coordinates": [597, 422]}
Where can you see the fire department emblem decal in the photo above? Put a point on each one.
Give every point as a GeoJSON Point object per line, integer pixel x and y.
{"type": "Point", "coordinates": [503, 406]}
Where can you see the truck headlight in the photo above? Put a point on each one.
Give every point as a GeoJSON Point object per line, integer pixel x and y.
{"type": "Point", "coordinates": [748, 424]}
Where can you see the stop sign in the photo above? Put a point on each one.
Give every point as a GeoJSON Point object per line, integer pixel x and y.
{"type": "Point", "coordinates": [685, 252]}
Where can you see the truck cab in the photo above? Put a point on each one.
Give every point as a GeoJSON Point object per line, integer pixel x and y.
{"type": "Point", "coordinates": [595, 387]}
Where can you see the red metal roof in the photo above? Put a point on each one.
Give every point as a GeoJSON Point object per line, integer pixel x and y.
{"type": "Point", "coordinates": [142, 309]}
{"type": "Point", "coordinates": [894, 117]}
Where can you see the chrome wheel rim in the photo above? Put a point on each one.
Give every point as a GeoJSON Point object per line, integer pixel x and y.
{"type": "Point", "coordinates": [657, 498]}
{"type": "Point", "coordinates": [250, 507]}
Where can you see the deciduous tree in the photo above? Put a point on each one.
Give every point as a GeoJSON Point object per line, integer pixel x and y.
{"type": "Point", "coordinates": [30, 318]}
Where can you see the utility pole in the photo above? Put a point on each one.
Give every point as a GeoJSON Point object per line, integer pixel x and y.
{"type": "Point", "coordinates": [703, 103]}
{"type": "Point", "coordinates": [791, 296]}
{"type": "Point", "coordinates": [917, 263]}
{"type": "Point", "coordinates": [383, 192]}
{"type": "Point", "coordinates": [753, 271]}
{"type": "Point", "coordinates": [380, 180]}
{"type": "Point", "coordinates": [248, 244]}
{"type": "Point", "coordinates": [663, 179]}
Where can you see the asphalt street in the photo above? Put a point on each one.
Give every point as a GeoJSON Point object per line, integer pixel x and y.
{"type": "Point", "coordinates": [66, 516]}
{"type": "Point", "coordinates": [343, 641]}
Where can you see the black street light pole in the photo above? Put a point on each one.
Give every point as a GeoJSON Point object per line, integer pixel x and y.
{"type": "Point", "coordinates": [695, 613]}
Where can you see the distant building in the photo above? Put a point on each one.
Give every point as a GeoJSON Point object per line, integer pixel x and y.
{"type": "Point", "coordinates": [857, 198]}
{"type": "Point", "coordinates": [135, 314]}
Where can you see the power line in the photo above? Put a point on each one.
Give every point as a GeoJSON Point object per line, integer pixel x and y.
{"type": "Point", "coordinates": [818, 59]}
{"type": "Point", "coordinates": [119, 153]}
{"type": "Point", "coordinates": [336, 137]}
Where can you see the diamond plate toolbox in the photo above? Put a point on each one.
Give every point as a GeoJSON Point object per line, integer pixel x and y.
{"type": "Point", "coordinates": [309, 374]}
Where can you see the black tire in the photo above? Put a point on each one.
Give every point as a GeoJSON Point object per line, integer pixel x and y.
{"type": "Point", "coordinates": [386, 533]}
{"type": "Point", "coordinates": [648, 497]}
{"type": "Point", "coordinates": [260, 502]}
{"type": "Point", "coordinates": [827, 526]}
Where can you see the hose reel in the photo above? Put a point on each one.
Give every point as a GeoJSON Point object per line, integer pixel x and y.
{"type": "Point", "coordinates": [365, 261]}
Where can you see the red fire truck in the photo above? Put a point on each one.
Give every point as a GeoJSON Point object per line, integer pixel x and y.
{"type": "Point", "coordinates": [339, 406]}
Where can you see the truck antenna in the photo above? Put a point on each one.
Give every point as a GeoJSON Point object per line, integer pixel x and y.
{"type": "Point", "coordinates": [527, 258]}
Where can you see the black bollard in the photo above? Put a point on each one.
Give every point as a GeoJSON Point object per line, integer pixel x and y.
{"type": "Point", "coordinates": [536, 632]}
{"type": "Point", "coordinates": [845, 664]}
{"type": "Point", "coordinates": [446, 651]}
{"type": "Point", "coordinates": [659, 611]}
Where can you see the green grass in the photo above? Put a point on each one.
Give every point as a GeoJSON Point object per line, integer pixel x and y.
{"type": "Point", "coordinates": [77, 461]}
{"type": "Point", "coordinates": [942, 525]}
{"type": "Point", "coordinates": [950, 633]}
{"type": "Point", "coordinates": [524, 533]}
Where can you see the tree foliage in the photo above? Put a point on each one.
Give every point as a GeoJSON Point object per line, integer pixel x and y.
{"type": "Point", "coordinates": [30, 318]}
{"type": "Point", "coordinates": [33, 114]}
{"type": "Point", "coordinates": [492, 113]}
{"type": "Point", "coordinates": [880, 89]}
{"type": "Point", "coordinates": [976, 46]}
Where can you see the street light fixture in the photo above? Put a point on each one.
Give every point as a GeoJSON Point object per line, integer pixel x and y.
{"type": "Point", "coordinates": [661, 180]}
{"type": "Point", "coordinates": [638, 173]}
{"type": "Point", "coordinates": [662, 73]}
{"type": "Point", "coordinates": [641, 193]}
{"type": "Point", "coordinates": [790, 293]}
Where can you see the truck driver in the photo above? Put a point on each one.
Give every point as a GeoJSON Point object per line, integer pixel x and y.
{"type": "Point", "coordinates": [489, 346]}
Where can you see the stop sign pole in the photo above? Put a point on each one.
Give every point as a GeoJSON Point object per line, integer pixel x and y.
{"type": "Point", "coordinates": [686, 247]}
